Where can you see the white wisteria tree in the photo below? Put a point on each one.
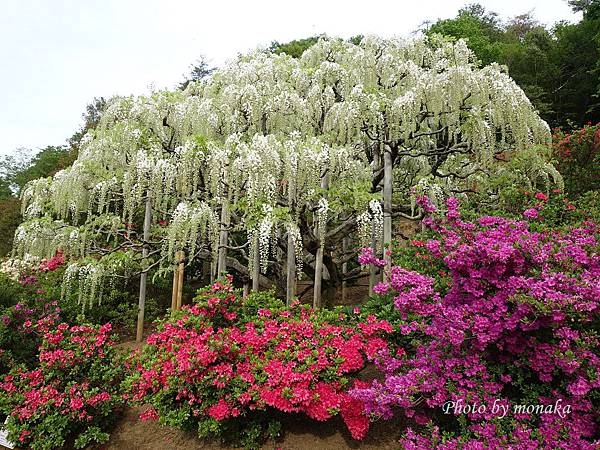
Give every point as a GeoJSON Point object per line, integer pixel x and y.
{"type": "Point", "coordinates": [270, 163]}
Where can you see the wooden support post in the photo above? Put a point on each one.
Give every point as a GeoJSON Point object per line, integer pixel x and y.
{"type": "Point", "coordinates": [179, 257]}
{"type": "Point", "coordinates": [345, 244]}
{"type": "Point", "coordinates": [223, 231]}
{"type": "Point", "coordinates": [144, 276]}
{"type": "Point", "coordinates": [317, 297]}
{"type": "Point", "coordinates": [388, 183]}
{"type": "Point", "coordinates": [180, 279]}
{"type": "Point", "coordinates": [372, 268]}
{"type": "Point", "coordinates": [175, 288]}
{"type": "Point", "coordinates": [290, 270]}
{"type": "Point", "coordinates": [318, 278]}
{"type": "Point", "coordinates": [256, 266]}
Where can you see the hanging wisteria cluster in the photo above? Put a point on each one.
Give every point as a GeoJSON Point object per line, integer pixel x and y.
{"type": "Point", "coordinates": [271, 144]}
{"type": "Point", "coordinates": [370, 223]}
{"type": "Point", "coordinates": [189, 223]}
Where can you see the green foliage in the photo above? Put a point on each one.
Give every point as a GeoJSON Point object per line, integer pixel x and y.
{"type": "Point", "coordinates": [557, 66]}
{"type": "Point", "coordinates": [297, 47]}
{"type": "Point", "coordinates": [10, 217]}
{"type": "Point", "coordinates": [198, 71]}
{"type": "Point", "coordinates": [19, 344]}
{"type": "Point", "coordinates": [556, 210]}
{"type": "Point", "coordinates": [528, 170]}
{"type": "Point", "coordinates": [72, 397]}
{"type": "Point", "coordinates": [21, 167]}
{"type": "Point", "coordinates": [45, 163]}
{"type": "Point", "coordinates": [18, 169]}
{"type": "Point", "coordinates": [91, 119]}
{"type": "Point", "coordinates": [9, 291]}
{"type": "Point", "coordinates": [119, 305]}
{"type": "Point", "coordinates": [294, 48]}
{"type": "Point", "coordinates": [480, 28]}
{"type": "Point", "coordinates": [259, 300]}
{"type": "Point", "coordinates": [578, 158]}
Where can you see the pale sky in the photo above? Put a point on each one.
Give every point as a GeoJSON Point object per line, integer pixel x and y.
{"type": "Point", "coordinates": [57, 55]}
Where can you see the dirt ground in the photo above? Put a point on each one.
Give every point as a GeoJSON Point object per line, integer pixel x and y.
{"type": "Point", "coordinates": [300, 433]}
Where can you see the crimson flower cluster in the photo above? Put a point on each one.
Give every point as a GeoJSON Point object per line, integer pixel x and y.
{"type": "Point", "coordinates": [224, 359]}
{"type": "Point", "coordinates": [73, 393]}
{"type": "Point", "coordinates": [516, 326]}
{"type": "Point", "coordinates": [49, 265]}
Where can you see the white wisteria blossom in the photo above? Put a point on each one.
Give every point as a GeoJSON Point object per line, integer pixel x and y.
{"type": "Point", "coordinates": [313, 147]}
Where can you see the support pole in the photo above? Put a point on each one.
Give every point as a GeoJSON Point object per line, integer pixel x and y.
{"type": "Point", "coordinates": [388, 183]}
{"type": "Point", "coordinates": [256, 266]}
{"type": "Point", "coordinates": [223, 240]}
{"type": "Point", "coordinates": [175, 288]}
{"type": "Point", "coordinates": [144, 276]}
{"type": "Point", "coordinates": [291, 270]}
{"type": "Point", "coordinates": [180, 279]}
{"type": "Point", "coordinates": [317, 297]}
{"type": "Point", "coordinates": [345, 245]}
{"type": "Point", "coordinates": [318, 278]}
{"type": "Point", "coordinates": [372, 268]}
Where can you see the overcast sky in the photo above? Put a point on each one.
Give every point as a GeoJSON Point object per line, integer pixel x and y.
{"type": "Point", "coordinates": [57, 55]}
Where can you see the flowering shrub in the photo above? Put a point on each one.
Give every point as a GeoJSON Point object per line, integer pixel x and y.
{"type": "Point", "coordinates": [14, 268]}
{"type": "Point", "coordinates": [53, 263]}
{"type": "Point", "coordinates": [228, 367]}
{"type": "Point", "coordinates": [578, 157]}
{"type": "Point", "coordinates": [19, 341]}
{"type": "Point", "coordinates": [72, 396]}
{"type": "Point", "coordinates": [516, 327]}
{"type": "Point", "coordinates": [543, 210]}
{"type": "Point", "coordinates": [39, 281]}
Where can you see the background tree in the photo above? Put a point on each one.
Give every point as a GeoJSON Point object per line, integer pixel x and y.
{"type": "Point", "coordinates": [22, 166]}
{"type": "Point", "coordinates": [198, 70]}
{"type": "Point", "coordinates": [297, 47]}
{"type": "Point", "coordinates": [578, 57]}
{"type": "Point", "coordinates": [294, 48]}
{"type": "Point", "coordinates": [482, 30]}
{"type": "Point", "coordinates": [556, 66]}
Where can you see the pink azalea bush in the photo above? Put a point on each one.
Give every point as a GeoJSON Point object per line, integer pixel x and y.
{"type": "Point", "coordinates": [517, 324]}
{"type": "Point", "coordinates": [49, 265]}
{"type": "Point", "coordinates": [229, 367]}
{"type": "Point", "coordinates": [19, 341]}
{"type": "Point", "coordinates": [73, 394]}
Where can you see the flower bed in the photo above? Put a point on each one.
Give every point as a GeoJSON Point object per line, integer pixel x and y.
{"type": "Point", "coordinates": [228, 367]}
{"type": "Point", "coordinates": [516, 326]}
{"type": "Point", "coordinates": [72, 396]}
